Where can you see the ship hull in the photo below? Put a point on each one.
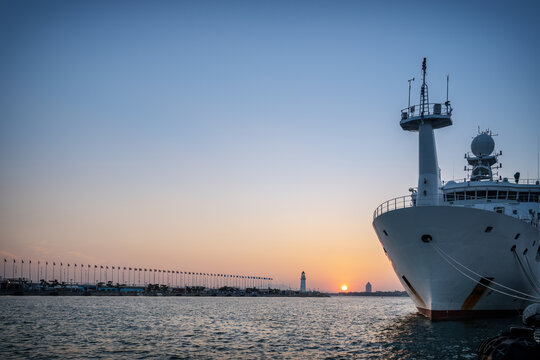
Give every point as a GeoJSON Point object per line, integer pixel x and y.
{"type": "Point", "coordinates": [454, 271]}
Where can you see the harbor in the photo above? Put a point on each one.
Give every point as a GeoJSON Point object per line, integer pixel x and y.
{"type": "Point", "coordinates": [283, 180]}
{"type": "Point", "coordinates": [22, 286]}
{"type": "Point", "coordinates": [105, 280]}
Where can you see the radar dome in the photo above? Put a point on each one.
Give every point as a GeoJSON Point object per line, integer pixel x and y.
{"type": "Point", "coordinates": [482, 145]}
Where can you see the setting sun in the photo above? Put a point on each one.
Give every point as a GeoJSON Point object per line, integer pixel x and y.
{"type": "Point", "coordinates": [344, 287]}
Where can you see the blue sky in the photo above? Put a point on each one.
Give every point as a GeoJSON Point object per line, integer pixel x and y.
{"type": "Point", "coordinates": [126, 121]}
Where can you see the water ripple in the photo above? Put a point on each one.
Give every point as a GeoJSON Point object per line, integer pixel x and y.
{"type": "Point", "coordinates": [231, 328]}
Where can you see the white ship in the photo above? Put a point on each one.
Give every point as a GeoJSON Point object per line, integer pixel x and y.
{"type": "Point", "coordinates": [469, 248]}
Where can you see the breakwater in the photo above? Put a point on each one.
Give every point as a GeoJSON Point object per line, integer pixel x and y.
{"type": "Point", "coordinates": [44, 277]}
{"type": "Point", "coordinates": [23, 287]}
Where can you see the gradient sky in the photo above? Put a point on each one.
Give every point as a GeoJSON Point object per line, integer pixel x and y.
{"type": "Point", "coordinates": [249, 137]}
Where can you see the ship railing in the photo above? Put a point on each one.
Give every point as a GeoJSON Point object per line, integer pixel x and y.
{"type": "Point", "coordinates": [531, 181]}
{"type": "Point", "coordinates": [408, 201]}
{"type": "Point", "coordinates": [401, 202]}
{"type": "Point", "coordinates": [443, 109]}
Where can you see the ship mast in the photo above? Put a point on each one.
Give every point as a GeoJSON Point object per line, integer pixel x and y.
{"type": "Point", "coordinates": [424, 97]}
{"type": "Point", "coordinates": [425, 118]}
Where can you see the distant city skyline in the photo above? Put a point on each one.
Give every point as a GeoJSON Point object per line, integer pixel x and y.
{"type": "Point", "coordinates": [244, 137]}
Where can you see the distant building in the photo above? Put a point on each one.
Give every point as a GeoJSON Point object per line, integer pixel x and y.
{"type": "Point", "coordinates": [303, 282]}
{"type": "Point", "coordinates": [368, 287]}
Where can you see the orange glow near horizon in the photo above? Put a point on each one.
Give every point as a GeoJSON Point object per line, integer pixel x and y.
{"type": "Point", "coordinates": [358, 257]}
{"type": "Point", "coordinates": [170, 232]}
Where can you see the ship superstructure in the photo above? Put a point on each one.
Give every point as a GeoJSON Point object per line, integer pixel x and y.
{"type": "Point", "coordinates": [464, 248]}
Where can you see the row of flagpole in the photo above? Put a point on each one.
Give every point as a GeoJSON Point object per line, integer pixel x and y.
{"type": "Point", "coordinates": [76, 273]}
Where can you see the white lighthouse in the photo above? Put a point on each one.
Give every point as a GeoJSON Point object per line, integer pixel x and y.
{"type": "Point", "coordinates": [303, 282]}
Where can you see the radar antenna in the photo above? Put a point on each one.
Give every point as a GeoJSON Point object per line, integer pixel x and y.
{"type": "Point", "coordinates": [484, 160]}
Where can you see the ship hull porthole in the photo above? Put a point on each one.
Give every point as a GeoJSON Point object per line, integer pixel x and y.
{"type": "Point", "coordinates": [426, 238]}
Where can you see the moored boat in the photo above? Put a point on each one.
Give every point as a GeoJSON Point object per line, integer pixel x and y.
{"type": "Point", "coordinates": [467, 248]}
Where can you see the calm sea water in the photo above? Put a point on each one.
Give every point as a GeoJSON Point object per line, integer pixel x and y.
{"type": "Point", "coordinates": [233, 328]}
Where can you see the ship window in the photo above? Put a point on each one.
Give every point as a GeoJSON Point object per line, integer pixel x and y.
{"type": "Point", "coordinates": [502, 195]}
{"type": "Point", "coordinates": [512, 195]}
{"type": "Point", "coordinates": [523, 196]}
{"type": "Point", "coordinates": [470, 195]}
{"type": "Point", "coordinates": [492, 194]}
{"type": "Point", "coordinates": [517, 236]}
{"type": "Point", "coordinates": [450, 196]}
{"type": "Point", "coordinates": [499, 209]}
{"type": "Point", "coordinates": [385, 233]}
{"type": "Point", "coordinates": [460, 195]}
{"type": "Point", "coordinates": [534, 197]}
{"type": "Point", "coordinates": [489, 228]}
{"type": "Point", "coordinates": [481, 194]}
